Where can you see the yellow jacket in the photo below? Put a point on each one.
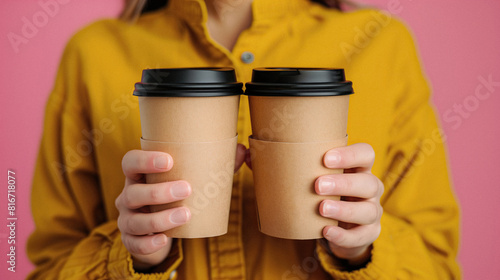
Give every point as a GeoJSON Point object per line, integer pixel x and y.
{"type": "Point", "coordinates": [92, 120]}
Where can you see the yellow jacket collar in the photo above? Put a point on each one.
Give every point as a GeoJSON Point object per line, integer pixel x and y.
{"type": "Point", "coordinates": [264, 11]}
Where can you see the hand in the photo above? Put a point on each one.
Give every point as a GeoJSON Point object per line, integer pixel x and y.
{"type": "Point", "coordinates": [141, 230]}
{"type": "Point", "coordinates": [359, 210]}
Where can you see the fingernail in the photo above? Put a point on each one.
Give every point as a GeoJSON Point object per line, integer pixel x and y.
{"type": "Point", "coordinates": [179, 190]}
{"type": "Point", "coordinates": [332, 158]}
{"type": "Point", "coordinates": [179, 216]}
{"type": "Point", "coordinates": [328, 232]}
{"type": "Point", "coordinates": [161, 162]}
{"type": "Point", "coordinates": [159, 240]}
{"type": "Point", "coordinates": [330, 208]}
{"type": "Point", "coordinates": [326, 185]}
{"type": "Point", "coordinates": [331, 233]}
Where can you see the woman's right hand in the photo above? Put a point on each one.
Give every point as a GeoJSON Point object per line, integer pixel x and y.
{"type": "Point", "coordinates": [140, 229]}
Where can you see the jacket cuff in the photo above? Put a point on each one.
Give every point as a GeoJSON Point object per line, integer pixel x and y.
{"type": "Point", "coordinates": [120, 264]}
{"type": "Point", "coordinates": [383, 260]}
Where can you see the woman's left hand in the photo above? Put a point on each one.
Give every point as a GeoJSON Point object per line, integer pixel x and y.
{"type": "Point", "coordinates": [359, 210]}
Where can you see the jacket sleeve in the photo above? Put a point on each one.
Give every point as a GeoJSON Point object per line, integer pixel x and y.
{"type": "Point", "coordinates": [73, 237]}
{"type": "Point", "coordinates": [420, 224]}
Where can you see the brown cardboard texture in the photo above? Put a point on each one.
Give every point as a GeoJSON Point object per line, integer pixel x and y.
{"type": "Point", "coordinates": [209, 169]}
{"type": "Point", "coordinates": [188, 119]}
{"type": "Point", "coordinates": [284, 176]}
{"type": "Point", "coordinates": [299, 118]}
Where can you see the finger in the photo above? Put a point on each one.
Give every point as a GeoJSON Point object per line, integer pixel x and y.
{"type": "Point", "coordinates": [146, 223]}
{"type": "Point", "coordinates": [240, 156]}
{"type": "Point", "coordinates": [139, 195]}
{"type": "Point", "coordinates": [359, 155]}
{"type": "Point", "coordinates": [361, 212]}
{"type": "Point", "coordinates": [138, 162]}
{"type": "Point", "coordinates": [362, 185]}
{"type": "Point", "coordinates": [144, 245]}
{"type": "Point", "coordinates": [352, 238]}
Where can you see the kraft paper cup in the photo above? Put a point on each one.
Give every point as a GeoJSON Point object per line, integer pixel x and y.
{"type": "Point", "coordinates": [209, 169]}
{"type": "Point", "coordinates": [192, 114]}
{"type": "Point", "coordinates": [284, 175]}
{"type": "Point", "coordinates": [298, 104]}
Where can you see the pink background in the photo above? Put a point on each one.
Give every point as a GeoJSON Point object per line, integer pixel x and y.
{"type": "Point", "coordinates": [459, 43]}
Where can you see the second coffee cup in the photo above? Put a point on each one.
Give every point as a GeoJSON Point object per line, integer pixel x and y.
{"type": "Point", "coordinates": [297, 115]}
{"type": "Point", "coordinates": [192, 113]}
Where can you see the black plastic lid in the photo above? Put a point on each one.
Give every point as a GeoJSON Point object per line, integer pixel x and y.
{"type": "Point", "coordinates": [298, 82]}
{"type": "Point", "coordinates": [188, 82]}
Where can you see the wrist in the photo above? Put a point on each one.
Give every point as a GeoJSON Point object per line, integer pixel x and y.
{"type": "Point", "coordinates": [154, 262]}
{"type": "Point", "coordinates": [361, 260]}
{"type": "Point", "coordinates": [348, 263]}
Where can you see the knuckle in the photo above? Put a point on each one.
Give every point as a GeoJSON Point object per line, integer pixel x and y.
{"type": "Point", "coordinates": [374, 213]}
{"type": "Point", "coordinates": [119, 224]}
{"type": "Point", "coordinates": [341, 239]}
{"type": "Point", "coordinates": [141, 248]}
{"type": "Point", "coordinates": [117, 202]}
{"type": "Point", "coordinates": [346, 184]}
{"type": "Point", "coordinates": [381, 188]}
{"type": "Point", "coordinates": [156, 224]}
{"type": "Point", "coordinates": [380, 212]}
{"type": "Point", "coordinates": [124, 161]}
{"type": "Point", "coordinates": [368, 154]}
{"type": "Point", "coordinates": [348, 154]}
{"type": "Point", "coordinates": [155, 195]}
{"type": "Point", "coordinates": [360, 240]}
{"type": "Point", "coordinates": [375, 185]}
{"type": "Point", "coordinates": [138, 162]}
{"type": "Point", "coordinates": [127, 199]}
{"type": "Point", "coordinates": [127, 159]}
{"type": "Point", "coordinates": [346, 211]}
{"type": "Point", "coordinates": [374, 233]}
{"type": "Point", "coordinates": [370, 151]}
{"type": "Point", "coordinates": [131, 226]}
{"type": "Point", "coordinates": [126, 241]}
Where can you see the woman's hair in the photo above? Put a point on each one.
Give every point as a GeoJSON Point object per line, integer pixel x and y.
{"type": "Point", "coordinates": [134, 8]}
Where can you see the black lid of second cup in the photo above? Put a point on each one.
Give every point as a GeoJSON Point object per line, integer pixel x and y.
{"type": "Point", "coordinates": [188, 82]}
{"type": "Point", "coordinates": [298, 82]}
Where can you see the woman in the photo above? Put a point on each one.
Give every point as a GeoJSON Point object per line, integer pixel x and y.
{"type": "Point", "coordinates": [96, 227]}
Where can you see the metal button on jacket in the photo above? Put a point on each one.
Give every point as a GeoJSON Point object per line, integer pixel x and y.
{"type": "Point", "coordinates": [247, 57]}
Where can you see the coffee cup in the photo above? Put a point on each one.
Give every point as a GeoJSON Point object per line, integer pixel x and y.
{"type": "Point", "coordinates": [297, 115]}
{"type": "Point", "coordinates": [191, 114]}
